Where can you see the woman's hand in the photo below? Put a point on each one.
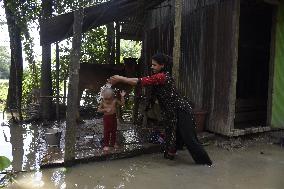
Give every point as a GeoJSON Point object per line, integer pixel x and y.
{"type": "Point", "coordinates": [120, 79]}
{"type": "Point", "coordinates": [115, 79]}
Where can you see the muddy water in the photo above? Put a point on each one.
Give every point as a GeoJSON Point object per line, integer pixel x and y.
{"type": "Point", "coordinates": [22, 144]}
{"type": "Point", "coordinates": [259, 166]}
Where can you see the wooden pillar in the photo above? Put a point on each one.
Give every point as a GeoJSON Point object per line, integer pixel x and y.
{"type": "Point", "coordinates": [110, 43]}
{"type": "Point", "coordinates": [177, 35]}
{"type": "Point", "coordinates": [46, 80]}
{"type": "Point", "coordinates": [117, 31]}
{"type": "Point", "coordinates": [64, 88]}
{"type": "Point", "coordinates": [57, 82]}
{"type": "Point", "coordinates": [72, 108]}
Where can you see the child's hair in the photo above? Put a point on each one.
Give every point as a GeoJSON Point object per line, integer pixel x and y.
{"type": "Point", "coordinates": [108, 91]}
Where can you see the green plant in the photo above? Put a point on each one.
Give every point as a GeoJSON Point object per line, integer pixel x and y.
{"type": "Point", "coordinates": [9, 176]}
{"type": "Point", "coordinates": [4, 163]}
{"type": "Point", "coordinates": [4, 85]}
{"type": "Point", "coordinates": [29, 83]}
{"type": "Point", "coordinates": [4, 62]}
{"type": "Point", "coordinates": [130, 48]}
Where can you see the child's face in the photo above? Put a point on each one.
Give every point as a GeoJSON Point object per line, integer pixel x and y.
{"type": "Point", "coordinates": [108, 97]}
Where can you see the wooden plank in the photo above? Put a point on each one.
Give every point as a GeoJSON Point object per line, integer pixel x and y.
{"type": "Point", "coordinates": [271, 65]}
{"type": "Point", "coordinates": [277, 119]}
{"type": "Point", "coordinates": [177, 35]}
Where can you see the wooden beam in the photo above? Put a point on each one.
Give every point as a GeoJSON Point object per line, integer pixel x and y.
{"type": "Point", "coordinates": [177, 35]}
{"type": "Point", "coordinates": [271, 64]}
{"type": "Point", "coordinates": [57, 82]}
{"type": "Point", "coordinates": [72, 108]}
{"type": "Point", "coordinates": [117, 32]}
{"type": "Point", "coordinates": [46, 78]}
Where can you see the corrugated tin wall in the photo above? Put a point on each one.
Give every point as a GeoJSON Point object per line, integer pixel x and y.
{"type": "Point", "coordinates": [158, 32]}
{"type": "Point", "coordinates": [208, 54]}
{"type": "Point", "coordinates": [209, 59]}
{"type": "Point", "coordinates": [278, 83]}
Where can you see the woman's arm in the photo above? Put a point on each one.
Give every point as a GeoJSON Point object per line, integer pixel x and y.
{"type": "Point", "coordinates": [121, 102]}
{"type": "Point", "coordinates": [156, 79]}
{"type": "Point", "coordinates": [120, 79]}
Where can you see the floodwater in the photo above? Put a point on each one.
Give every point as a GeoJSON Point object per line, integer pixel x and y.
{"type": "Point", "coordinates": [27, 145]}
{"type": "Point", "coordinates": [256, 167]}
{"type": "Point", "coordinates": [257, 164]}
{"type": "Point", "coordinates": [22, 144]}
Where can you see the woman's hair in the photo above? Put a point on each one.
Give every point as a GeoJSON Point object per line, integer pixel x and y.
{"type": "Point", "coordinates": [163, 59]}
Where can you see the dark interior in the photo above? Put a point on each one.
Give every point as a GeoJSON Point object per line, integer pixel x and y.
{"type": "Point", "coordinates": [253, 64]}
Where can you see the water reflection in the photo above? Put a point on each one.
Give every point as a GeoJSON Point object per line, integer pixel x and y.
{"type": "Point", "coordinates": [101, 176]}
{"type": "Point", "coordinates": [26, 144]}
{"type": "Point", "coordinates": [22, 144]}
{"type": "Point", "coordinates": [16, 140]}
{"type": "Point", "coordinates": [58, 178]}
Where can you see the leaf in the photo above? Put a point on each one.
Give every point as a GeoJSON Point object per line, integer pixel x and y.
{"type": "Point", "coordinates": [4, 163]}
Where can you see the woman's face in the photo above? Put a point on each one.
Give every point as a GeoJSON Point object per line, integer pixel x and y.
{"type": "Point", "coordinates": [156, 68]}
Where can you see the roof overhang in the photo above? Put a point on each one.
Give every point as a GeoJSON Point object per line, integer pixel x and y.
{"type": "Point", "coordinates": [60, 27]}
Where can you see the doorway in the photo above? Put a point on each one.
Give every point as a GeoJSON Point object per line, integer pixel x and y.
{"type": "Point", "coordinates": [253, 64]}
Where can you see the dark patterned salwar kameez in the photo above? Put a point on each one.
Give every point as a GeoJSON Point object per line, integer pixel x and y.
{"type": "Point", "coordinates": [176, 111]}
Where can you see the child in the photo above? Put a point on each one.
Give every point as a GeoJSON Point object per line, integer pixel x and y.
{"type": "Point", "coordinates": [108, 107]}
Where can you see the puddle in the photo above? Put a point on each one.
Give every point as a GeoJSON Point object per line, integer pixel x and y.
{"type": "Point", "coordinates": [241, 169]}
{"type": "Point", "coordinates": [26, 144]}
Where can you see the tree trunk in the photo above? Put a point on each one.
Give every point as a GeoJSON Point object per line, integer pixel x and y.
{"type": "Point", "coordinates": [14, 98]}
{"type": "Point", "coordinates": [177, 34]}
{"type": "Point", "coordinates": [72, 108]}
{"type": "Point", "coordinates": [46, 80]}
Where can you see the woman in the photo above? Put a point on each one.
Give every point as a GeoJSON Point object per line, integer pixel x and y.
{"type": "Point", "coordinates": [175, 109]}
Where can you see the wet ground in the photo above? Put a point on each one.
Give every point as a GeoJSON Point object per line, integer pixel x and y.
{"type": "Point", "coordinates": [247, 162]}
{"type": "Point", "coordinates": [257, 166]}
{"type": "Point", "coordinates": [30, 148]}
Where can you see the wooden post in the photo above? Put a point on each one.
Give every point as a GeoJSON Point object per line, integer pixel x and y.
{"type": "Point", "coordinates": [117, 31]}
{"type": "Point", "coordinates": [177, 35]}
{"type": "Point", "coordinates": [46, 80]}
{"type": "Point", "coordinates": [57, 82]}
{"type": "Point", "coordinates": [64, 88]}
{"type": "Point", "coordinates": [110, 43]}
{"type": "Point", "coordinates": [72, 108]}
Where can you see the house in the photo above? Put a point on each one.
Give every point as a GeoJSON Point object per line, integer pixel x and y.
{"type": "Point", "coordinates": [231, 57]}
{"type": "Point", "coordinates": [231, 61]}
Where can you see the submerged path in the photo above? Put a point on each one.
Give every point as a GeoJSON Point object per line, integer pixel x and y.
{"type": "Point", "coordinates": [257, 166]}
{"type": "Point", "coordinates": [28, 147]}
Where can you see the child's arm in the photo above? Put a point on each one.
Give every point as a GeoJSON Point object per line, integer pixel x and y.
{"type": "Point", "coordinates": [101, 108]}
{"type": "Point", "coordinates": [121, 102]}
